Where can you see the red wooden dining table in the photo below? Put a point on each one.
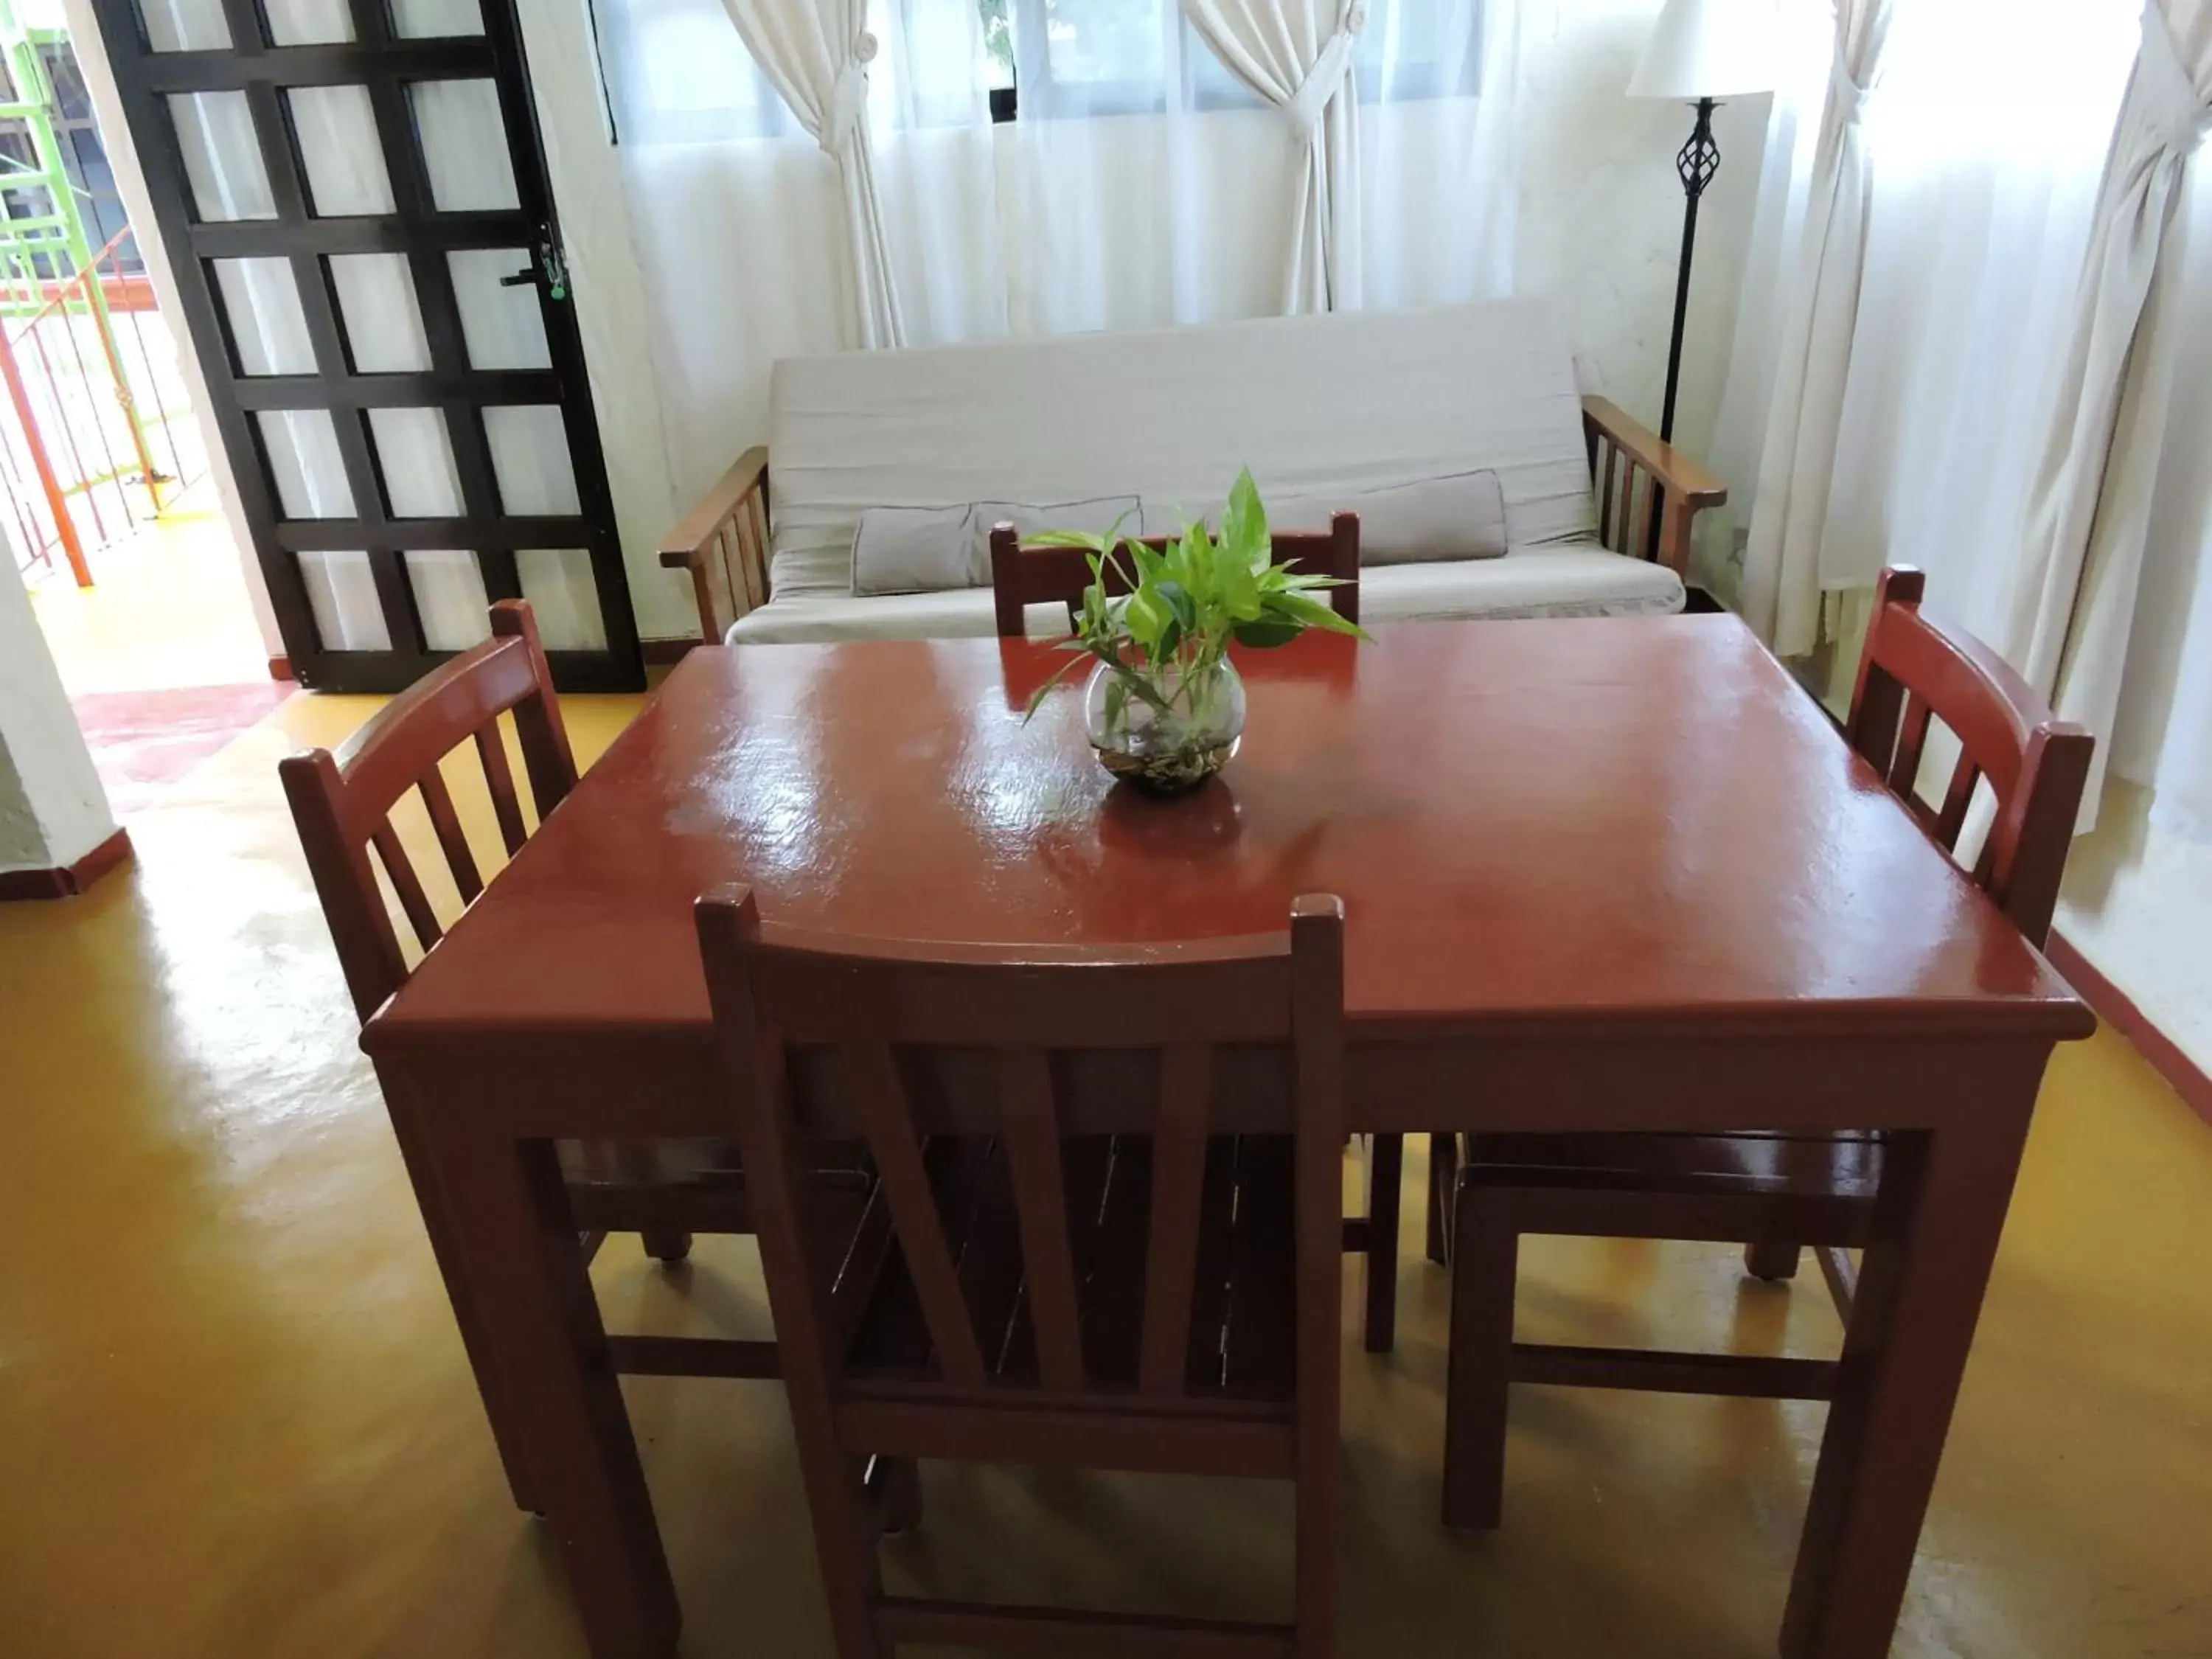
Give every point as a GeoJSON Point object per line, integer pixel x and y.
{"type": "Point", "coordinates": [1598, 874]}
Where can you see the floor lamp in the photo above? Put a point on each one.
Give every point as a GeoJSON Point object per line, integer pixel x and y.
{"type": "Point", "coordinates": [1701, 51]}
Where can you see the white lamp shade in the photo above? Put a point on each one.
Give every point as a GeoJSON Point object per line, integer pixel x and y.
{"type": "Point", "coordinates": [1709, 49]}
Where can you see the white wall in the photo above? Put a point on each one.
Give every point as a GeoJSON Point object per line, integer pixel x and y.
{"type": "Point", "coordinates": [53, 811]}
{"type": "Point", "coordinates": [2138, 904]}
{"type": "Point", "coordinates": [1600, 210]}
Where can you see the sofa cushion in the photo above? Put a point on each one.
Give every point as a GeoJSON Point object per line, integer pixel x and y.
{"type": "Point", "coordinates": [1551, 581]}
{"type": "Point", "coordinates": [1095, 517]}
{"type": "Point", "coordinates": [1461, 516]}
{"type": "Point", "coordinates": [912, 549]}
{"type": "Point", "coordinates": [1349, 401]}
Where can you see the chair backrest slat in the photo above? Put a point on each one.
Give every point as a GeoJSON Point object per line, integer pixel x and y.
{"type": "Point", "coordinates": [1915, 671]}
{"type": "Point", "coordinates": [407, 885]}
{"type": "Point", "coordinates": [438, 802]}
{"type": "Point", "coordinates": [1023, 576]}
{"type": "Point", "coordinates": [1032, 1135]}
{"type": "Point", "coordinates": [903, 1026]}
{"type": "Point", "coordinates": [870, 1072]}
{"type": "Point", "coordinates": [1178, 1187]}
{"type": "Point", "coordinates": [342, 802]}
{"type": "Point", "coordinates": [499, 781]}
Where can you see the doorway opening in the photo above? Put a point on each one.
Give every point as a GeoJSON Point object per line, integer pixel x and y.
{"type": "Point", "coordinates": [107, 498]}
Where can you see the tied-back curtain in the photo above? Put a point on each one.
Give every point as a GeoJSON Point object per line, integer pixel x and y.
{"type": "Point", "coordinates": [1296, 54]}
{"type": "Point", "coordinates": [1786, 568]}
{"type": "Point", "coordinates": [816, 53]}
{"type": "Point", "coordinates": [2074, 596]}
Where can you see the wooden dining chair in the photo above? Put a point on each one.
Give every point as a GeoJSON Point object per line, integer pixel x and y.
{"type": "Point", "coordinates": [1021, 576]}
{"type": "Point", "coordinates": [342, 803]}
{"type": "Point", "coordinates": [1772, 1194]}
{"type": "Point", "coordinates": [1105, 1234]}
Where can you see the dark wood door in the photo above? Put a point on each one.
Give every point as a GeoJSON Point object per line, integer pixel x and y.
{"type": "Point", "coordinates": [354, 195]}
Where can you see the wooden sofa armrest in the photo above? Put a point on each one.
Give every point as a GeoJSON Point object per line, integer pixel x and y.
{"type": "Point", "coordinates": [723, 542]}
{"type": "Point", "coordinates": [1649, 493]}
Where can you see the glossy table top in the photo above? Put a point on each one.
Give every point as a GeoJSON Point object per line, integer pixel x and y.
{"type": "Point", "coordinates": [1637, 824]}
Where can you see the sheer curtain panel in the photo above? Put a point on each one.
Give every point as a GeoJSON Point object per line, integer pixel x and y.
{"type": "Point", "coordinates": [1296, 54]}
{"type": "Point", "coordinates": [1784, 571]}
{"type": "Point", "coordinates": [2074, 593]}
{"type": "Point", "coordinates": [817, 54]}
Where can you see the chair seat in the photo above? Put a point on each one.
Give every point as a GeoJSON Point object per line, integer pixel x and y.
{"type": "Point", "coordinates": [1242, 1344]}
{"type": "Point", "coordinates": [1840, 1166]}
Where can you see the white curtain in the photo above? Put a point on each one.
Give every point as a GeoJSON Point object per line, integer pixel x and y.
{"type": "Point", "coordinates": [1296, 54]}
{"type": "Point", "coordinates": [1784, 570]}
{"type": "Point", "coordinates": [1142, 185]}
{"type": "Point", "coordinates": [817, 54]}
{"type": "Point", "coordinates": [2075, 591]}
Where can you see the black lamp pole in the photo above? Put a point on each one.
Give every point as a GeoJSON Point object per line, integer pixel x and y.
{"type": "Point", "coordinates": [1695, 164]}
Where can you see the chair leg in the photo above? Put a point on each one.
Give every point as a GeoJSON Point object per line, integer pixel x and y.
{"type": "Point", "coordinates": [1386, 1170]}
{"type": "Point", "coordinates": [1443, 1182]}
{"type": "Point", "coordinates": [1771, 1259]}
{"type": "Point", "coordinates": [666, 1245]}
{"type": "Point", "coordinates": [1485, 1260]}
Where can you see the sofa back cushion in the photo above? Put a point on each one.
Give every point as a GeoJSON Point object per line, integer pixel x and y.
{"type": "Point", "coordinates": [1459, 517]}
{"type": "Point", "coordinates": [1317, 406]}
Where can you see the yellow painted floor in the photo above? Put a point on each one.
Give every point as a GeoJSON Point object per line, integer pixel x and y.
{"type": "Point", "coordinates": [168, 607]}
{"type": "Point", "coordinates": [235, 1419]}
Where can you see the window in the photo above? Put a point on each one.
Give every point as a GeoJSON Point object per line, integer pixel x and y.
{"type": "Point", "coordinates": [1074, 58]}
{"type": "Point", "coordinates": [676, 71]}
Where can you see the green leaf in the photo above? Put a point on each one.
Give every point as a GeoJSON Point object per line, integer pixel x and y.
{"type": "Point", "coordinates": [1310, 613]}
{"type": "Point", "coordinates": [1244, 523]}
{"type": "Point", "coordinates": [1038, 697]}
{"type": "Point", "coordinates": [1066, 539]}
{"type": "Point", "coordinates": [1146, 617]}
{"type": "Point", "coordinates": [1267, 633]}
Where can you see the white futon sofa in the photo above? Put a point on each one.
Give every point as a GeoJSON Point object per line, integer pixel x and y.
{"type": "Point", "coordinates": [1572, 509]}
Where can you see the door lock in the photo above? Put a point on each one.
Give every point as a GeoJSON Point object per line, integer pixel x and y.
{"type": "Point", "coordinates": [550, 272]}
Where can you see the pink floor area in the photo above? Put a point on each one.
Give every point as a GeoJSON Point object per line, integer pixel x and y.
{"type": "Point", "coordinates": [143, 741]}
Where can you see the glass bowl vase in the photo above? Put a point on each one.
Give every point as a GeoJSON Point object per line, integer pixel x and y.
{"type": "Point", "coordinates": [1163, 731]}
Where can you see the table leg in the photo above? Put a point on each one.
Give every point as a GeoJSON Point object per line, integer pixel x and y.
{"type": "Point", "coordinates": [492, 1386]}
{"type": "Point", "coordinates": [518, 1249]}
{"type": "Point", "coordinates": [1927, 1263]}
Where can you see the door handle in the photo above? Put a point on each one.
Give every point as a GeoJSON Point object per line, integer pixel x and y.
{"type": "Point", "coordinates": [549, 273]}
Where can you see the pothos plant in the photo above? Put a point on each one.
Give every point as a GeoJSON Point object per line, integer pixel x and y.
{"type": "Point", "coordinates": [1164, 641]}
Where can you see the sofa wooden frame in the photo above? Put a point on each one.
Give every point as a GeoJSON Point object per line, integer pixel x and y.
{"type": "Point", "coordinates": [1648, 495]}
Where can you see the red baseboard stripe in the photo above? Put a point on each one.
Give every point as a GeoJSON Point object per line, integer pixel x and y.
{"type": "Point", "coordinates": [2118, 1010]}
{"type": "Point", "coordinates": [69, 880]}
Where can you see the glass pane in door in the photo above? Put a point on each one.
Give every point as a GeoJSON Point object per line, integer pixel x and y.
{"type": "Point", "coordinates": [341, 597]}
{"type": "Point", "coordinates": [381, 315]}
{"type": "Point", "coordinates": [557, 582]}
{"type": "Point", "coordinates": [222, 156]}
{"type": "Point", "coordinates": [463, 145]}
{"type": "Point", "coordinates": [530, 458]}
{"type": "Point", "coordinates": [185, 25]}
{"type": "Point", "coordinates": [500, 326]}
{"type": "Point", "coordinates": [422, 20]}
{"type": "Point", "coordinates": [261, 302]}
{"type": "Point", "coordinates": [449, 598]}
{"type": "Point", "coordinates": [415, 454]}
{"type": "Point", "coordinates": [308, 22]}
{"type": "Point", "coordinates": [338, 148]}
{"type": "Point", "coordinates": [304, 463]}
